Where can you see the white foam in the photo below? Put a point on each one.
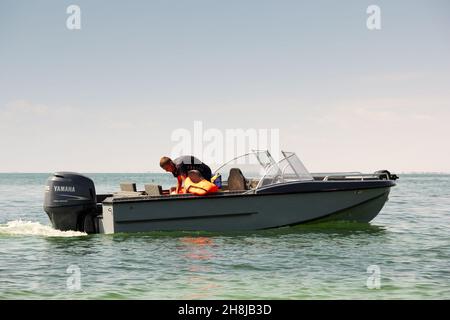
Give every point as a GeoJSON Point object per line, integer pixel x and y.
{"type": "Point", "coordinates": [19, 227]}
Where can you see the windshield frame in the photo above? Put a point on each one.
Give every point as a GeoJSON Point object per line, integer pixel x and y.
{"type": "Point", "coordinates": [274, 172]}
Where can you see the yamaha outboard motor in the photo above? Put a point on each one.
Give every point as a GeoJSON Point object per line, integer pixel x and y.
{"type": "Point", "coordinates": [70, 202]}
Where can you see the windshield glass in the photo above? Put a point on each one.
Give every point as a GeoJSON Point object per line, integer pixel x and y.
{"type": "Point", "coordinates": [260, 169]}
{"type": "Point", "coordinates": [295, 167]}
{"type": "Point", "coordinates": [289, 168]}
{"type": "Point", "coordinates": [253, 165]}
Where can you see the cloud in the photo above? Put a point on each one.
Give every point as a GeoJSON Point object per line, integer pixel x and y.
{"type": "Point", "coordinates": [24, 106]}
{"type": "Point", "coordinates": [391, 111]}
{"type": "Point", "coordinates": [394, 77]}
{"type": "Point", "coordinates": [118, 125]}
{"type": "Point", "coordinates": [18, 109]}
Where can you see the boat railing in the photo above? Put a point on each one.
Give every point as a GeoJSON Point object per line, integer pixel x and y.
{"type": "Point", "coordinates": [344, 176]}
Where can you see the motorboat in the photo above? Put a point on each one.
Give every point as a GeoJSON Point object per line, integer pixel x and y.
{"type": "Point", "coordinates": [257, 193]}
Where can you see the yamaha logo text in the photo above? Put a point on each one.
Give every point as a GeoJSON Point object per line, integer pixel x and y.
{"type": "Point", "coordinates": [64, 188]}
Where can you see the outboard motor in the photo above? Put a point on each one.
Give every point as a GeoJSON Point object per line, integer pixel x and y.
{"type": "Point", "coordinates": [70, 202]}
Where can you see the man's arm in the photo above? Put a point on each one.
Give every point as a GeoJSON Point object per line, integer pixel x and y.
{"type": "Point", "coordinates": [179, 183]}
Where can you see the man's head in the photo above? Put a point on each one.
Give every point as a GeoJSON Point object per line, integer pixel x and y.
{"type": "Point", "coordinates": [167, 164]}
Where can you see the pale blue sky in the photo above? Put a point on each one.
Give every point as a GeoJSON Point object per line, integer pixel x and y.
{"type": "Point", "coordinates": [107, 97]}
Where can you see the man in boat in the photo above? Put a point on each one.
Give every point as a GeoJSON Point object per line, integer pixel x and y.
{"type": "Point", "coordinates": [188, 167]}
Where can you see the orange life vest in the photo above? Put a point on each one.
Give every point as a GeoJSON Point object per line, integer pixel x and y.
{"type": "Point", "coordinates": [201, 188]}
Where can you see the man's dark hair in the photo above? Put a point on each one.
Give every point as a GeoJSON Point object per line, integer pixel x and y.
{"type": "Point", "coordinates": [164, 161]}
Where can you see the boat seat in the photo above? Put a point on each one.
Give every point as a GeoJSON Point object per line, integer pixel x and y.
{"type": "Point", "coordinates": [236, 180]}
{"type": "Point", "coordinates": [128, 186]}
{"type": "Point", "coordinates": [253, 183]}
{"type": "Point", "coordinates": [153, 189]}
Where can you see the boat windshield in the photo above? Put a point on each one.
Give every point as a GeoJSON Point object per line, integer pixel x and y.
{"type": "Point", "coordinates": [260, 168]}
{"type": "Point", "coordinates": [289, 168]}
{"type": "Point", "coordinates": [253, 165]}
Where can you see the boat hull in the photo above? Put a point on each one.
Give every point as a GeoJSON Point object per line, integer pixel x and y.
{"type": "Point", "coordinates": [241, 212]}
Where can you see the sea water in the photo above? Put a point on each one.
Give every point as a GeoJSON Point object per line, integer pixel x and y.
{"type": "Point", "coordinates": [403, 253]}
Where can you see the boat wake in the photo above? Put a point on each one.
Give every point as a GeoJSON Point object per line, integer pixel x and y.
{"type": "Point", "coordinates": [19, 227]}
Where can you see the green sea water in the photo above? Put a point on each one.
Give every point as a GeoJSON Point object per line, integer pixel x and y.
{"type": "Point", "coordinates": [404, 253]}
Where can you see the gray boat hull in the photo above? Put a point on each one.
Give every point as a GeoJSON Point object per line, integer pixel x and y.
{"type": "Point", "coordinates": [240, 212]}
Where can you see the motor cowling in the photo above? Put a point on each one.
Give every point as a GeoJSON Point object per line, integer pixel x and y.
{"type": "Point", "coordinates": [70, 202]}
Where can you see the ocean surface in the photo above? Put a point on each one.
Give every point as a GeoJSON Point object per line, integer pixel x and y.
{"type": "Point", "coordinates": [404, 253]}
